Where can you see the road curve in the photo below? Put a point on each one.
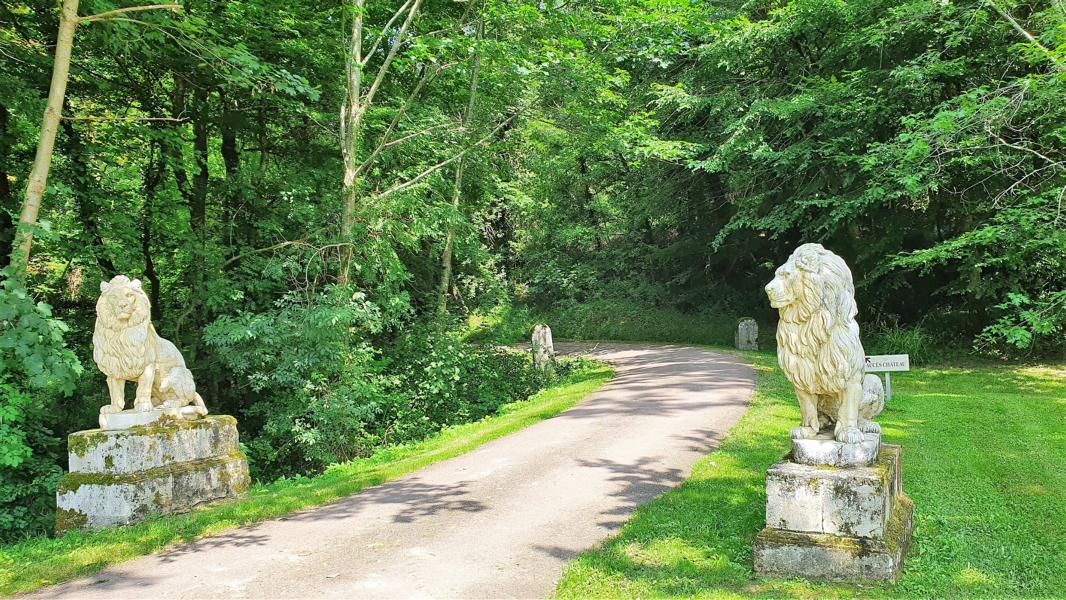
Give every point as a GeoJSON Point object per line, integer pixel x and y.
{"type": "Point", "coordinates": [498, 522]}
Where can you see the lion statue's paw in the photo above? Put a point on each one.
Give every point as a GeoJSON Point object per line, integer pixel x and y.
{"type": "Point", "coordinates": [143, 405]}
{"type": "Point", "coordinates": [850, 435]}
{"type": "Point", "coordinates": [868, 426]}
{"type": "Point", "coordinates": [109, 409]}
{"type": "Point", "coordinates": [803, 433]}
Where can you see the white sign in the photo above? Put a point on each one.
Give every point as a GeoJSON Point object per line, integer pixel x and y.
{"type": "Point", "coordinates": [888, 362]}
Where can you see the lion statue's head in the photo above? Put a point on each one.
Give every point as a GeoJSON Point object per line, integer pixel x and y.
{"type": "Point", "coordinates": [121, 339]}
{"type": "Point", "coordinates": [122, 303]}
{"type": "Point", "coordinates": [818, 343]}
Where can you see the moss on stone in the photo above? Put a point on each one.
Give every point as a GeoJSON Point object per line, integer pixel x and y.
{"type": "Point", "coordinates": [856, 547]}
{"type": "Point", "coordinates": [897, 530]}
{"type": "Point", "coordinates": [81, 442]}
{"type": "Point", "coordinates": [109, 462]}
{"type": "Point", "coordinates": [72, 481]}
{"type": "Point", "coordinates": [67, 519]}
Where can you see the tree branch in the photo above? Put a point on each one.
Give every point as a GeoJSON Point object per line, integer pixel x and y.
{"type": "Point", "coordinates": [127, 119]}
{"type": "Point", "coordinates": [428, 76]}
{"type": "Point", "coordinates": [404, 138]}
{"type": "Point", "coordinates": [120, 11]}
{"type": "Point", "coordinates": [1017, 27]}
{"type": "Point", "coordinates": [441, 165]}
{"type": "Point", "coordinates": [277, 246]}
{"type": "Point", "coordinates": [383, 70]}
{"type": "Point", "coordinates": [384, 32]}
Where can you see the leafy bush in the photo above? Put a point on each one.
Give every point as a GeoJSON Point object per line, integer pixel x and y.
{"type": "Point", "coordinates": [318, 388]}
{"type": "Point", "coordinates": [306, 388]}
{"type": "Point", "coordinates": [35, 367]}
{"type": "Point", "coordinates": [1028, 324]}
{"type": "Point", "coordinates": [449, 381]}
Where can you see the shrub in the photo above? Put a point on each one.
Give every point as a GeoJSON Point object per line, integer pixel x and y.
{"type": "Point", "coordinates": [308, 380]}
{"type": "Point", "coordinates": [449, 381]}
{"type": "Point", "coordinates": [319, 386]}
{"type": "Point", "coordinates": [35, 368]}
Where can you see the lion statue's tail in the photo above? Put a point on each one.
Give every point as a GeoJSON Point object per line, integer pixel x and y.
{"type": "Point", "coordinates": [873, 397]}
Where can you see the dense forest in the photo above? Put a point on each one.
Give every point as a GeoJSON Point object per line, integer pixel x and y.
{"type": "Point", "coordinates": [321, 197]}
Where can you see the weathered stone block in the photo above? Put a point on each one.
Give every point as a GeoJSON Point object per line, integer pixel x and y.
{"type": "Point", "coordinates": [119, 477]}
{"type": "Point", "coordinates": [836, 523]}
{"type": "Point", "coordinates": [783, 553]}
{"type": "Point", "coordinates": [840, 501]}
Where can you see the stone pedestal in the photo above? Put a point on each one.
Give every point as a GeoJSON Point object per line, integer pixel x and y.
{"type": "Point", "coordinates": [118, 477]}
{"type": "Point", "coordinates": [837, 524]}
{"type": "Point", "coordinates": [825, 451]}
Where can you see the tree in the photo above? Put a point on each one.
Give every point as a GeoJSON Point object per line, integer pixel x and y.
{"type": "Point", "coordinates": [53, 112]}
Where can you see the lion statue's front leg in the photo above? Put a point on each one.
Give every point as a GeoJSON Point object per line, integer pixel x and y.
{"type": "Point", "coordinates": [809, 418]}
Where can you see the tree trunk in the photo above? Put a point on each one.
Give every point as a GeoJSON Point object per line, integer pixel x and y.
{"type": "Point", "coordinates": [5, 143]}
{"type": "Point", "coordinates": [351, 117]}
{"type": "Point", "coordinates": [355, 106]}
{"type": "Point", "coordinates": [42, 162]}
{"type": "Point", "coordinates": [7, 226]}
{"type": "Point", "coordinates": [152, 178]}
{"type": "Point", "coordinates": [457, 187]}
{"type": "Point", "coordinates": [231, 159]}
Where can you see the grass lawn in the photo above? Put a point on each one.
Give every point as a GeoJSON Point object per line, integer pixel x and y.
{"type": "Point", "coordinates": [984, 461]}
{"type": "Point", "coordinates": [41, 562]}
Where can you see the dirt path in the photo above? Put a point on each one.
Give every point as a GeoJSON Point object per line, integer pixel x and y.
{"type": "Point", "coordinates": [501, 521]}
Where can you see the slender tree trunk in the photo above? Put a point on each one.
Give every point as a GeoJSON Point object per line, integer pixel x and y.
{"type": "Point", "coordinates": [152, 178]}
{"type": "Point", "coordinates": [457, 187]}
{"type": "Point", "coordinates": [586, 191]}
{"type": "Point", "coordinates": [42, 162]}
{"type": "Point", "coordinates": [174, 150]}
{"type": "Point", "coordinates": [356, 103]}
{"type": "Point", "coordinates": [7, 226]}
{"type": "Point", "coordinates": [351, 118]}
{"type": "Point", "coordinates": [231, 159]}
{"type": "Point", "coordinates": [5, 143]}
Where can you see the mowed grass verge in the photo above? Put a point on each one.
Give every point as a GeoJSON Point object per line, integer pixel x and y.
{"type": "Point", "coordinates": [36, 563]}
{"type": "Point", "coordinates": [984, 461]}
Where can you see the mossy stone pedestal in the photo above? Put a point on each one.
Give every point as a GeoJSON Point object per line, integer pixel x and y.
{"type": "Point", "coordinates": [118, 477]}
{"type": "Point", "coordinates": [835, 523]}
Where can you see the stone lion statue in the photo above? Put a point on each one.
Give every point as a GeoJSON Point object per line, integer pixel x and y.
{"type": "Point", "coordinates": [818, 345]}
{"type": "Point", "coordinates": [127, 348]}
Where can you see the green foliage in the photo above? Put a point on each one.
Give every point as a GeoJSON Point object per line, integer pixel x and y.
{"type": "Point", "coordinates": [896, 338]}
{"type": "Point", "coordinates": [320, 388]}
{"type": "Point", "coordinates": [35, 367]}
{"type": "Point", "coordinates": [607, 320]}
{"type": "Point", "coordinates": [630, 170]}
{"type": "Point", "coordinates": [312, 391]}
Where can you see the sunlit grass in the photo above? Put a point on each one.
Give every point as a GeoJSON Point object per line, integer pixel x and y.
{"type": "Point", "coordinates": [41, 562]}
{"type": "Point", "coordinates": [984, 461]}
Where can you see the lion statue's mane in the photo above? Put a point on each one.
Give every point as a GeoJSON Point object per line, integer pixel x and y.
{"type": "Point", "coordinates": [818, 344]}
{"type": "Point", "coordinates": [126, 347]}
